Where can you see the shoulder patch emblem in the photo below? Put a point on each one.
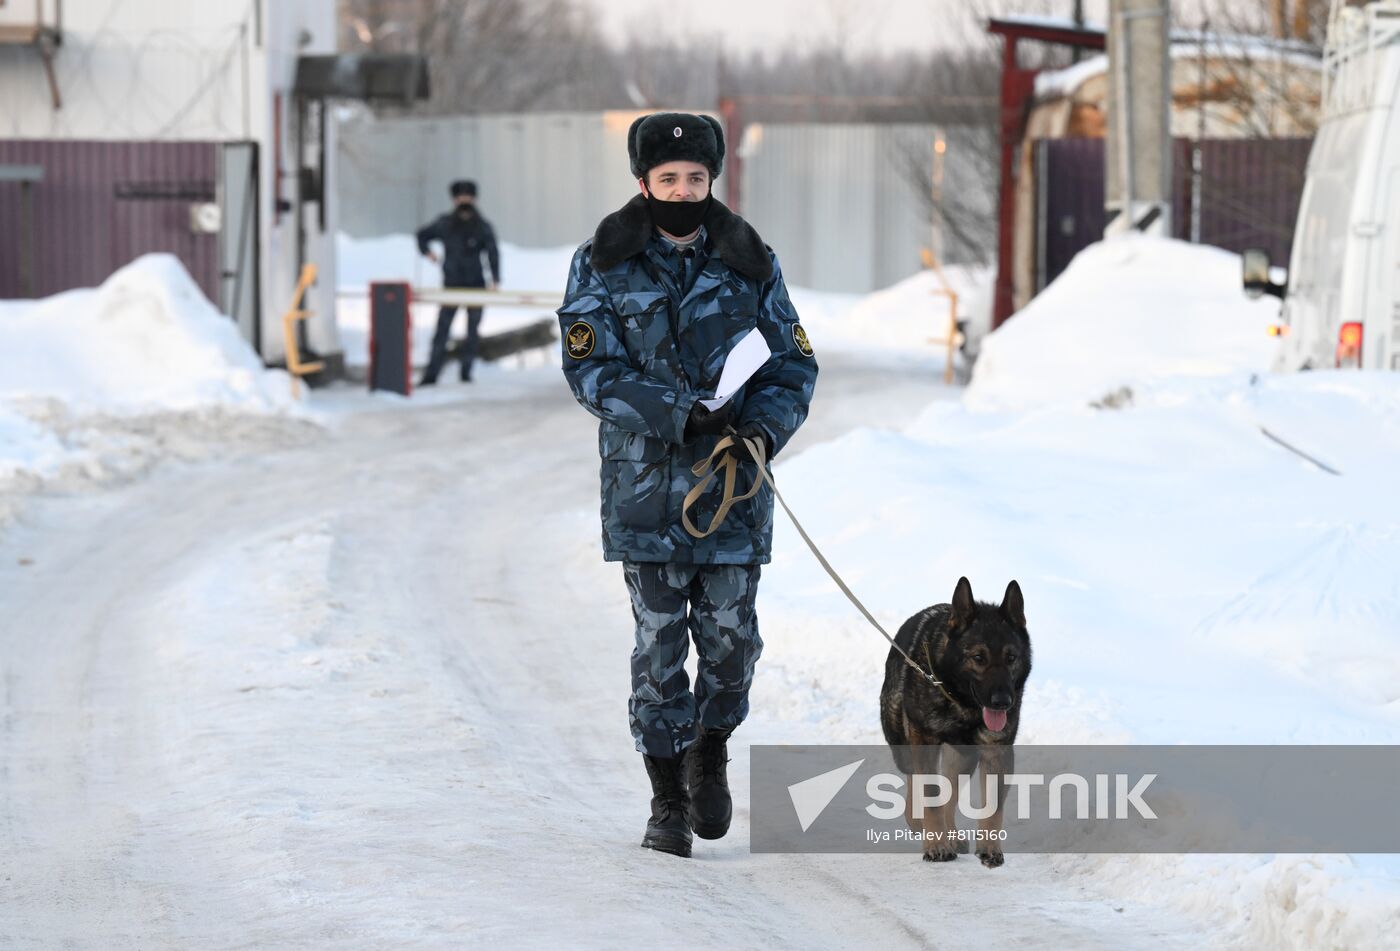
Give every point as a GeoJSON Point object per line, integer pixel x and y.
{"type": "Point", "coordinates": [799, 337]}
{"type": "Point", "coordinates": [580, 340]}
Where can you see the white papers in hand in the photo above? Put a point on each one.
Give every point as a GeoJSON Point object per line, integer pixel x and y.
{"type": "Point", "coordinates": [748, 355]}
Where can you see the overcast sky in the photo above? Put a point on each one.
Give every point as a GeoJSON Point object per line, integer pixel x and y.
{"type": "Point", "coordinates": [764, 24]}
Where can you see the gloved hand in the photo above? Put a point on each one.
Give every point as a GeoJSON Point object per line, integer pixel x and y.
{"type": "Point", "coordinates": [704, 422]}
{"type": "Point", "coordinates": [754, 431]}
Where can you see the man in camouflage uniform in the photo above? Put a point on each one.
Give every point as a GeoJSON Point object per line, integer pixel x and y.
{"type": "Point", "coordinates": [655, 301]}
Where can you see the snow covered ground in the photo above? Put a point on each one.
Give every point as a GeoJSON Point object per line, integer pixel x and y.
{"type": "Point", "coordinates": [370, 690]}
{"type": "Point", "coordinates": [1124, 313]}
{"type": "Point", "coordinates": [104, 383]}
{"type": "Point", "coordinates": [1187, 579]}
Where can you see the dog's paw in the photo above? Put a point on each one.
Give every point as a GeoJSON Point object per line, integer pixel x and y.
{"type": "Point", "coordinates": [940, 853]}
{"type": "Point", "coordinates": [991, 857]}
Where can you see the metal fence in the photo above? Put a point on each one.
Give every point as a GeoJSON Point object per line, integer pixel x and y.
{"type": "Point", "coordinates": [1250, 191]}
{"type": "Point", "coordinates": [845, 206]}
{"type": "Point", "coordinates": [544, 179]}
{"type": "Point", "coordinates": [1230, 193]}
{"type": "Point", "coordinates": [98, 206]}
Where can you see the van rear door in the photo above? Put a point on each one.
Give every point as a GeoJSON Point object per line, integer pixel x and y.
{"type": "Point", "coordinates": [1388, 337]}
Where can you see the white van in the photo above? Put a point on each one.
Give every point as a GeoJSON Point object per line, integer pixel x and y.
{"type": "Point", "coordinates": [1341, 297]}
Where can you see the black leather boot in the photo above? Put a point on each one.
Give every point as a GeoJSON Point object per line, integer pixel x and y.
{"type": "Point", "coordinates": [668, 829]}
{"type": "Point", "coordinates": [710, 805]}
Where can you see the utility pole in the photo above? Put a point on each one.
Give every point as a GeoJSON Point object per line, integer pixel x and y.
{"type": "Point", "coordinates": [1137, 194]}
{"type": "Point", "coordinates": [1077, 53]}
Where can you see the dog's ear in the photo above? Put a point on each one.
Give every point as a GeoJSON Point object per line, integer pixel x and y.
{"type": "Point", "coordinates": [964, 610]}
{"type": "Point", "coordinates": [1013, 608]}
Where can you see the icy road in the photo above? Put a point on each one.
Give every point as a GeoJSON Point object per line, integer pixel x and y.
{"type": "Point", "coordinates": [369, 691]}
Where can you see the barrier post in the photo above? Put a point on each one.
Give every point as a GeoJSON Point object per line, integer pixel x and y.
{"type": "Point", "coordinates": [295, 366]}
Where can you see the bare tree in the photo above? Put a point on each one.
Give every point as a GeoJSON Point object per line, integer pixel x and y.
{"type": "Point", "coordinates": [1259, 77]}
{"type": "Point", "coordinates": [520, 55]}
{"type": "Point", "coordinates": [960, 92]}
{"type": "Point", "coordinates": [483, 55]}
{"type": "Point", "coordinates": [1260, 65]}
{"type": "Point", "coordinates": [1259, 81]}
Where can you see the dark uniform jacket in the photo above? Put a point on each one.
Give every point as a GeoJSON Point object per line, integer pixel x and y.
{"type": "Point", "coordinates": [644, 337]}
{"type": "Point", "coordinates": [464, 240]}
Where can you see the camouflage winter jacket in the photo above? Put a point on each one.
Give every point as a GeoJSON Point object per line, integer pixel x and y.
{"type": "Point", "coordinates": [640, 349]}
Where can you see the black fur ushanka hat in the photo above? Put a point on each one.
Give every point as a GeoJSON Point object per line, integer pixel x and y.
{"type": "Point", "coordinates": [675, 137]}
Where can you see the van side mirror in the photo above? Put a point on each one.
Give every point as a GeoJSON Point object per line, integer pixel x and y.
{"type": "Point", "coordinates": [1256, 266]}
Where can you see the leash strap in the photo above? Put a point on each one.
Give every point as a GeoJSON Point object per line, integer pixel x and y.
{"type": "Point", "coordinates": [1298, 452]}
{"type": "Point", "coordinates": [707, 468]}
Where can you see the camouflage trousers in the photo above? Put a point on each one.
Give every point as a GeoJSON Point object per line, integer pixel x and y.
{"type": "Point", "coordinates": [672, 603]}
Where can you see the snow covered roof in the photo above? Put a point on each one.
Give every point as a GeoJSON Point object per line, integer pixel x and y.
{"type": "Point", "coordinates": [1185, 45]}
{"type": "Point", "coordinates": [1051, 23]}
{"type": "Point", "coordinates": [1051, 84]}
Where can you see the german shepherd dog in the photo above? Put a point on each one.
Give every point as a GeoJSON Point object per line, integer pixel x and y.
{"type": "Point", "coordinates": [981, 655]}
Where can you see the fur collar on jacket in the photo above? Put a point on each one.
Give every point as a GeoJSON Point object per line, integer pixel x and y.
{"type": "Point", "coordinates": [624, 233]}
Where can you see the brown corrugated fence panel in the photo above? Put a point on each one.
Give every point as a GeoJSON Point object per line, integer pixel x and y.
{"type": "Point", "coordinates": [1250, 190]}
{"type": "Point", "coordinates": [103, 204]}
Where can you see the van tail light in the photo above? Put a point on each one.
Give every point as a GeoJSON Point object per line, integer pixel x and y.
{"type": "Point", "coordinates": [1349, 346]}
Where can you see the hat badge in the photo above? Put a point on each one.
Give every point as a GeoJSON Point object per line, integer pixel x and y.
{"type": "Point", "coordinates": [676, 132]}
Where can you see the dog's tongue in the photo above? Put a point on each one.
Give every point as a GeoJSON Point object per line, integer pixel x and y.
{"type": "Point", "coordinates": [995, 719]}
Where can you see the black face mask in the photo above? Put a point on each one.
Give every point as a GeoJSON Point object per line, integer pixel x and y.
{"type": "Point", "coordinates": [679, 218]}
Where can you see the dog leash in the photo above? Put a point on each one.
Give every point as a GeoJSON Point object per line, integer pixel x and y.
{"type": "Point", "coordinates": [1298, 452]}
{"type": "Point", "coordinates": [929, 657]}
{"type": "Point", "coordinates": [706, 469]}
{"type": "Point", "coordinates": [721, 459]}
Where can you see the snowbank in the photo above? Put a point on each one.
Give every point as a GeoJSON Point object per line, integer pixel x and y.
{"type": "Point", "coordinates": [26, 447]}
{"type": "Point", "coordinates": [910, 317]}
{"type": "Point", "coordinates": [1126, 312]}
{"type": "Point", "coordinates": [146, 339]}
{"type": "Point", "coordinates": [77, 370]}
{"type": "Point", "coordinates": [1187, 581]}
